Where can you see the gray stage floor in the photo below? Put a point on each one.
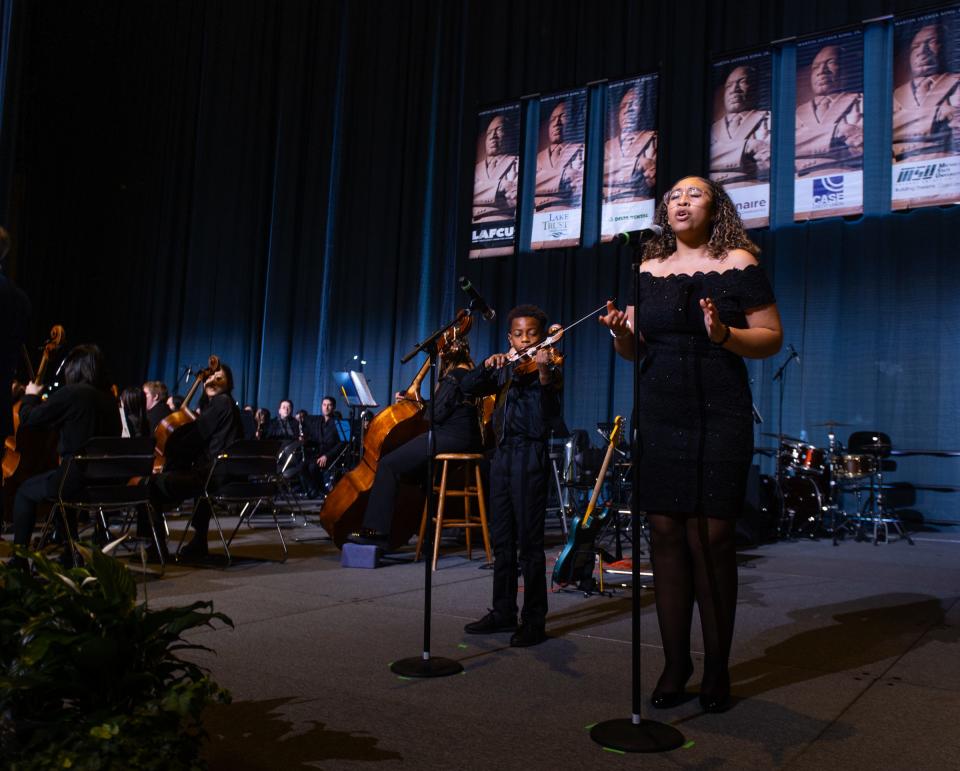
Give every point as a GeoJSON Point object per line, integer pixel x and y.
{"type": "Point", "coordinates": [844, 656]}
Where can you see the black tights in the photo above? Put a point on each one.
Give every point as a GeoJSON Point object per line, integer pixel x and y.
{"type": "Point", "coordinates": [694, 557]}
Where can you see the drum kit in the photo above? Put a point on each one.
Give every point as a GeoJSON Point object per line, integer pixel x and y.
{"type": "Point", "coordinates": [814, 481]}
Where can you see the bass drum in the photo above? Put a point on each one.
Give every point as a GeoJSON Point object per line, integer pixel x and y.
{"type": "Point", "coordinates": [803, 504]}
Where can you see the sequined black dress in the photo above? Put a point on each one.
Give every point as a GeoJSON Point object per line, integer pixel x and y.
{"type": "Point", "coordinates": [694, 415]}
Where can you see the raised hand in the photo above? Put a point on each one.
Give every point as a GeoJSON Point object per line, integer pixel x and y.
{"type": "Point", "coordinates": [716, 329]}
{"type": "Point", "coordinates": [616, 320]}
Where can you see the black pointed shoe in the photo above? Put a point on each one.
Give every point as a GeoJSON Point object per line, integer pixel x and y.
{"type": "Point", "coordinates": [491, 624]}
{"type": "Point", "coordinates": [717, 699]}
{"type": "Point", "coordinates": [661, 699]}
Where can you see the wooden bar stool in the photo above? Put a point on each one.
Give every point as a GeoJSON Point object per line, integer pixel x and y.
{"type": "Point", "coordinates": [471, 463]}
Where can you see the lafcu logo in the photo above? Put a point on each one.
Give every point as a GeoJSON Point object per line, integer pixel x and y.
{"type": "Point", "coordinates": [827, 190]}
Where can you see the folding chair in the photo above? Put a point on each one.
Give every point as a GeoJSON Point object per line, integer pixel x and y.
{"type": "Point", "coordinates": [245, 473]}
{"type": "Point", "coordinates": [98, 480]}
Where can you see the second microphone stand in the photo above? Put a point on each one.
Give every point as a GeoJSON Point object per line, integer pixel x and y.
{"type": "Point", "coordinates": [426, 665]}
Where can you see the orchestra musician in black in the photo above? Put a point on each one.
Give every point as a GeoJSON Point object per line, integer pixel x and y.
{"type": "Point", "coordinates": [456, 428]}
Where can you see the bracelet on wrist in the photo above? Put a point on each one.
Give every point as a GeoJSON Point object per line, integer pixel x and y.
{"type": "Point", "coordinates": [723, 340]}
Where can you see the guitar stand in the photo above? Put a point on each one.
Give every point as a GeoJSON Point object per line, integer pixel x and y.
{"type": "Point", "coordinates": [563, 509]}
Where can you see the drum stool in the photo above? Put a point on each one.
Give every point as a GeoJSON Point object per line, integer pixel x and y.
{"type": "Point", "coordinates": [470, 490]}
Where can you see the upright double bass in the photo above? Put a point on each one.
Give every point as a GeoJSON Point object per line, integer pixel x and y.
{"type": "Point", "coordinates": [343, 510]}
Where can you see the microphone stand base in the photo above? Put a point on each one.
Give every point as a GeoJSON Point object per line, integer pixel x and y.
{"type": "Point", "coordinates": [624, 735]}
{"type": "Point", "coordinates": [417, 666]}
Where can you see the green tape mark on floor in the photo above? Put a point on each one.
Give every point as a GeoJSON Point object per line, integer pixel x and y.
{"type": "Point", "coordinates": [403, 677]}
{"type": "Point", "coordinates": [464, 646]}
{"type": "Point", "coordinates": [611, 749]}
{"type": "Point", "coordinates": [688, 745]}
{"type": "Point", "coordinates": [588, 727]}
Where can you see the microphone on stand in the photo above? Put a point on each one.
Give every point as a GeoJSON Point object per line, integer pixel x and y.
{"type": "Point", "coordinates": [638, 237]}
{"type": "Point", "coordinates": [477, 302]}
{"type": "Point", "coordinates": [793, 352]}
{"type": "Point", "coordinates": [187, 374]}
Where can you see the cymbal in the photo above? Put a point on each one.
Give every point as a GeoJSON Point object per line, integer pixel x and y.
{"type": "Point", "coordinates": [831, 424]}
{"type": "Point", "coordinates": [784, 437]}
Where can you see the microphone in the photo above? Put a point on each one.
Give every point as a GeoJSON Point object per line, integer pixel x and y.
{"type": "Point", "coordinates": [477, 303]}
{"type": "Point", "coordinates": [793, 352]}
{"type": "Point", "coordinates": [638, 237]}
{"type": "Point", "coordinates": [187, 374]}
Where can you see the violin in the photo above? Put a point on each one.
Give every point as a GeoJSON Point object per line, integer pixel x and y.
{"type": "Point", "coordinates": [525, 362]}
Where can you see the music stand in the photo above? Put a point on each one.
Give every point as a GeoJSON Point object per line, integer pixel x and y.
{"type": "Point", "coordinates": [356, 393]}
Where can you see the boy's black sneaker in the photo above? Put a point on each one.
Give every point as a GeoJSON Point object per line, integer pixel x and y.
{"type": "Point", "coordinates": [528, 635]}
{"type": "Point", "coordinates": [490, 624]}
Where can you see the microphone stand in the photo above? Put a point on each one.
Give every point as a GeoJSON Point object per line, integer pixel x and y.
{"type": "Point", "coordinates": [426, 665]}
{"type": "Point", "coordinates": [634, 734]}
{"type": "Point", "coordinates": [781, 375]}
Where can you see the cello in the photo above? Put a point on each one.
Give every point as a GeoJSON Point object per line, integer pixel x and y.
{"type": "Point", "coordinates": [30, 451]}
{"type": "Point", "coordinates": [343, 509]}
{"type": "Point", "coordinates": [172, 434]}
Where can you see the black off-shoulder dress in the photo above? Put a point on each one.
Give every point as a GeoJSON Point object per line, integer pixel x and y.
{"type": "Point", "coordinates": [694, 415]}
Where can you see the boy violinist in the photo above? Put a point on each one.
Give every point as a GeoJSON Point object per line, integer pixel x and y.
{"type": "Point", "coordinates": [526, 408]}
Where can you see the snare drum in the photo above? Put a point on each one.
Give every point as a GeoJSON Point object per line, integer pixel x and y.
{"type": "Point", "coordinates": [857, 466]}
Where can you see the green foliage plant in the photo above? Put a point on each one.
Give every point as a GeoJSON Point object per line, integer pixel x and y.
{"type": "Point", "coordinates": [90, 679]}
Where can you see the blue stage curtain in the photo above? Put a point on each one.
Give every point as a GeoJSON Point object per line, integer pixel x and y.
{"type": "Point", "coordinates": [287, 184]}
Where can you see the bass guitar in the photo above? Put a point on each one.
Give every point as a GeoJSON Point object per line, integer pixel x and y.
{"type": "Point", "coordinates": [575, 563]}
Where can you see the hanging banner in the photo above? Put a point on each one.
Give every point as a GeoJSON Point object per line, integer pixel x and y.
{"type": "Point", "coordinates": [558, 196]}
{"type": "Point", "coordinates": [496, 182]}
{"type": "Point", "coordinates": [740, 134]}
{"type": "Point", "coordinates": [926, 110]}
{"type": "Point", "coordinates": [828, 160]}
{"type": "Point", "coordinates": [629, 156]}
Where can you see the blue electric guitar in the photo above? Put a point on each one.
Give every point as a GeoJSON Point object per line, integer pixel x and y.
{"type": "Point", "coordinates": [575, 562]}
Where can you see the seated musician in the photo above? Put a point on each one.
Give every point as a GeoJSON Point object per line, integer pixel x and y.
{"type": "Point", "coordinates": [217, 427]}
{"type": "Point", "coordinates": [284, 426]}
{"type": "Point", "coordinates": [456, 428]}
{"type": "Point", "coordinates": [82, 409]}
{"type": "Point", "coordinates": [156, 395]}
{"type": "Point", "coordinates": [261, 419]}
{"type": "Point", "coordinates": [324, 446]}
{"type": "Point", "coordinates": [134, 417]}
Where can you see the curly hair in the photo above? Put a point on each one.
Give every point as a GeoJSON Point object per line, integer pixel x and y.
{"type": "Point", "coordinates": [726, 229]}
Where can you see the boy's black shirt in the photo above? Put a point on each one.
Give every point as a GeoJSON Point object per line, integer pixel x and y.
{"type": "Point", "coordinates": [526, 409]}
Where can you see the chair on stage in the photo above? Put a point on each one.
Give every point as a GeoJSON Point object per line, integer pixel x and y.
{"type": "Point", "coordinates": [472, 489]}
{"type": "Point", "coordinates": [103, 477]}
{"type": "Point", "coordinates": [245, 474]}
